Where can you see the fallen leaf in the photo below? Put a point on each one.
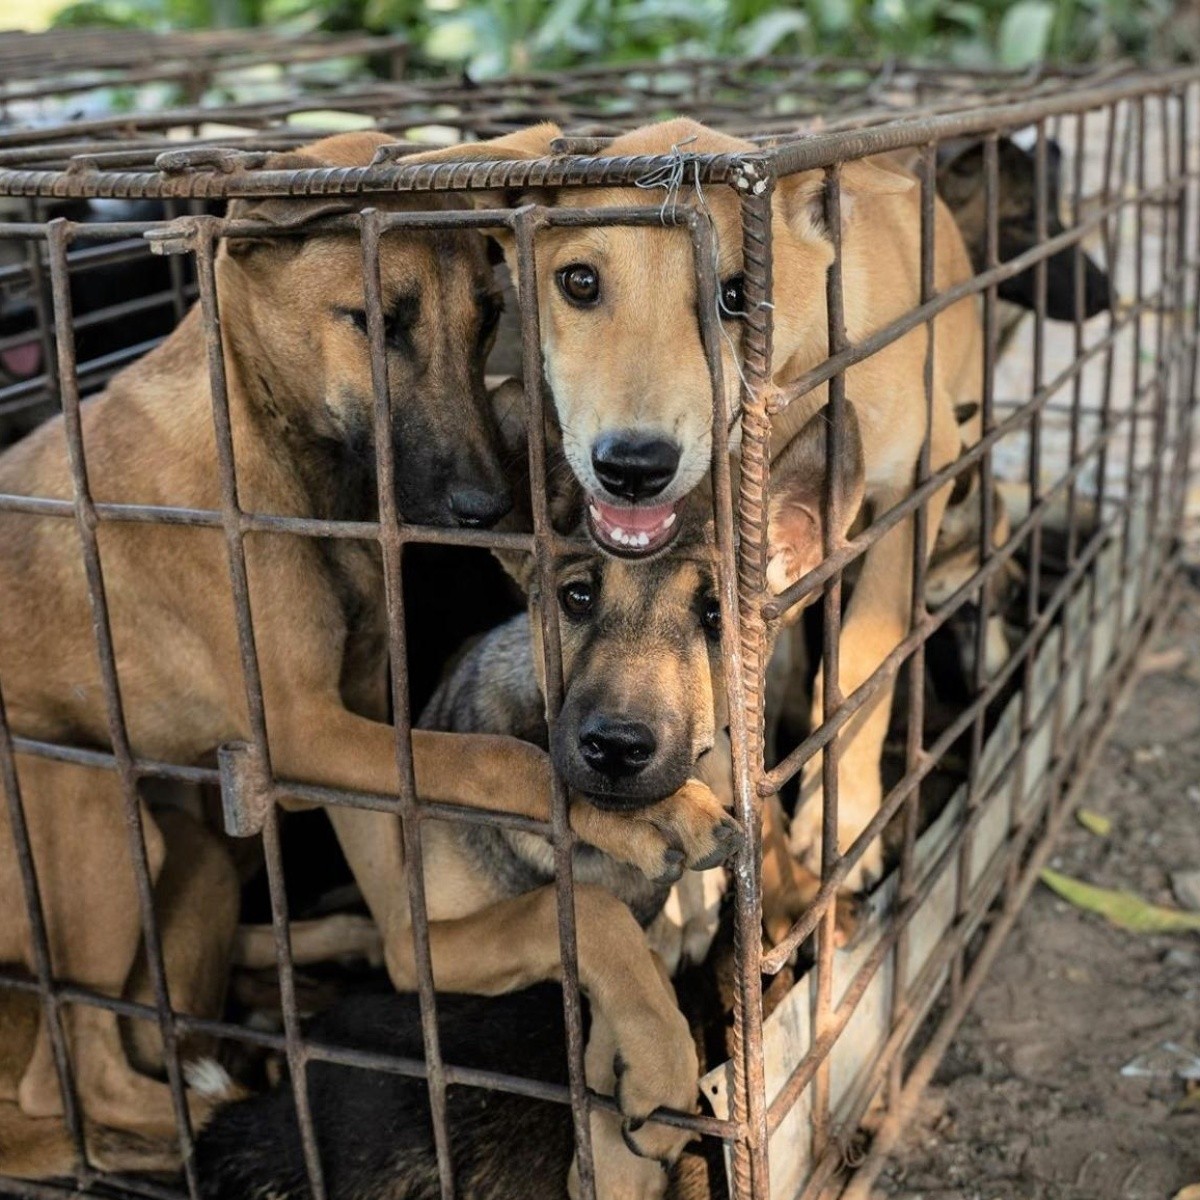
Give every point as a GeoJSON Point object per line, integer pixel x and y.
{"type": "Point", "coordinates": [1170, 1060]}
{"type": "Point", "coordinates": [1094, 822]}
{"type": "Point", "coordinates": [1191, 1192]}
{"type": "Point", "coordinates": [1121, 908]}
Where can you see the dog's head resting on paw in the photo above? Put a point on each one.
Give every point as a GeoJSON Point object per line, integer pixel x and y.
{"type": "Point", "coordinates": [643, 673]}
{"type": "Point", "coordinates": [621, 338]}
{"type": "Point", "coordinates": [294, 313]}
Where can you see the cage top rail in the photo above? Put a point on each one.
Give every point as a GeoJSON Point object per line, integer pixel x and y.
{"type": "Point", "coordinates": [80, 160]}
{"type": "Point", "coordinates": [157, 167]}
{"type": "Point", "coordinates": [70, 61]}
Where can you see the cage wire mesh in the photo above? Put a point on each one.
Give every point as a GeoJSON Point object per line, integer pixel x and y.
{"type": "Point", "coordinates": [1083, 444]}
{"type": "Point", "coordinates": [47, 78]}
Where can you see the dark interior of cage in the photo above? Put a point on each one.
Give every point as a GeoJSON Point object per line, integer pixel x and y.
{"type": "Point", "coordinates": [124, 300]}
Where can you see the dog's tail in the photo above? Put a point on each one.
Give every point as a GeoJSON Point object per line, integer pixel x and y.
{"type": "Point", "coordinates": [206, 1077]}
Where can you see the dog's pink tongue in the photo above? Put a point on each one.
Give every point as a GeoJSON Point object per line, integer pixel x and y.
{"type": "Point", "coordinates": [22, 361]}
{"type": "Point", "coordinates": [643, 519]}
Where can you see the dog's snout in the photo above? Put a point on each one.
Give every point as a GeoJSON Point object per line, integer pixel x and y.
{"type": "Point", "coordinates": [633, 467]}
{"type": "Point", "coordinates": [477, 508]}
{"type": "Point", "coordinates": [615, 747]}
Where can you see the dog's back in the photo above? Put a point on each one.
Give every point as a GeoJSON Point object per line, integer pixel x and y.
{"type": "Point", "coordinates": [375, 1132]}
{"type": "Point", "coordinates": [374, 1129]}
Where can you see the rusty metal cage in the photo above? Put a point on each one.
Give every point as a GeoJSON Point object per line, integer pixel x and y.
{"type": "Point", "coordinates": [48, 77]}
{"type": "Point", "coordinates": [1095, 424]}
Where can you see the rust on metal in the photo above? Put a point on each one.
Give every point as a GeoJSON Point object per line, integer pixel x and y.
{"type": "Point", "coordinates": [1120, 476]}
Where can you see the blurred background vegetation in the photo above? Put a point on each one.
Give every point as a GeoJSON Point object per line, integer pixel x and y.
{"type": "Point", "coordinates": [492, 37]}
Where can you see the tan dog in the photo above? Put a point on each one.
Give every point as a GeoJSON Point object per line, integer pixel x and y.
{"type": "Point", "coordinates": [301, 399]}
{"type": "Point", "coordinates": [624, 358]}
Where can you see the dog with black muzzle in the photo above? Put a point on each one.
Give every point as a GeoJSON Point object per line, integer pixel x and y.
{"type": "Point", "coordinates": [962, 185]}
{"type": "Point", "coordinates": [301, 396]}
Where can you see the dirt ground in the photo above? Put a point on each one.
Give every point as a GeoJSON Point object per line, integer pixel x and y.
{"type": "Point", "coordinates": [1030, 1102]}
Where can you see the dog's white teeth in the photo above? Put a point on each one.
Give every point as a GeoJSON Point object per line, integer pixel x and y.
{"type": "Point", "coordinates": [619, 534]}
{"type": "Point", "coordinates": [594, 511]}
{"type": "Point", "coordinates": [643, 539]}
{"type": "Point", "coordinates": [669, 521]}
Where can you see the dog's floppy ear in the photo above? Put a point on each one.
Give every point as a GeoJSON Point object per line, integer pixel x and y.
{"type": "Point", "coordinates": [795, 514]}
{"type": "Point", "coordinates": [355, 149]}
{"type": "Point", "coordinates": [531, 143]}
{"type": "Point", "coordinates": [803, 196]}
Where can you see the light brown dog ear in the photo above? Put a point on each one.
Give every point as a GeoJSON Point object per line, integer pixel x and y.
{"type": "Point", "coordinates": [796, 525]}
{"type": "Point", "coordinates": [355, 149]}
{"type": "Point", "coordinates": [803, 196]}
{"type": "Point", "coordinates": [531, 143]}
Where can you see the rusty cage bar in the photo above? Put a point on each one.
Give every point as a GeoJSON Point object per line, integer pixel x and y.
{"type": "Point", "coordinates": [1088, 428]}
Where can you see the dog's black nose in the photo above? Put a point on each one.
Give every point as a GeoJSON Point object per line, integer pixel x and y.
{"type": "Point", "coordinates": [476, 508]}
{"type": "Point", "coordinates": [635, 468]}
{"type": "Point", "coordinates": [616, 748]}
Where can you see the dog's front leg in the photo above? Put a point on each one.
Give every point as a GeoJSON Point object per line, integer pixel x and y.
{"type": "Point", "coordinates": [323, 743]}
{"type": "Point", "coordinates": [620, 1174]}
{"type": "Point", "coordinates": [514, 943]}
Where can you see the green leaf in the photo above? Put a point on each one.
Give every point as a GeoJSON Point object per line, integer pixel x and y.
{"type": "Point", "coordinates": [1094, 822]}
{"type": "Point", "coordinates": [764, 35]}
{"type": "Point", "coordinates": [832, 16]}
{"type": "Point", "coordinates": [1120, 908]}
{"type": "Point", "coordinates": [454, 40]}
{"type": "Point", "coordinates": [1025, 33]}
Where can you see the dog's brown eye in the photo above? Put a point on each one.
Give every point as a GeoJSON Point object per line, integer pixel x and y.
{"type": "Point", "coordinates": [711, 617]}
{"type": "Point", "coordinates": [580, 284]}
{"type": "Point", "coordinates": [733, 296]}
{"type": "Point", "coordinates": [576, 598]}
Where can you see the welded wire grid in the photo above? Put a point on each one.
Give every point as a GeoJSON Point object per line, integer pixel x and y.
{"type": "Point", "coordinates": [1122, 389]}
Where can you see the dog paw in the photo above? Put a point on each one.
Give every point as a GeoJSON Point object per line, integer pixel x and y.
{"type": "Point", "coordinates": [687, 830]}
{"type": "Point", "coordinates": [848, 919]}
{"type": "Point", "coordinates": [791, 897]}
{"type": "Point", "coordinates": [694, 820]}
{"type": "Point", "coordinates": [656, 1068]}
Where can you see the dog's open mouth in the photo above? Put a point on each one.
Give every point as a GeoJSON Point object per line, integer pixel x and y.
{"type": "Point", "coordinates": [632, 532]}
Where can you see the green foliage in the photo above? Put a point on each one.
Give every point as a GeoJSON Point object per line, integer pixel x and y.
{"type": "Point", "coordinates": [492, 37]}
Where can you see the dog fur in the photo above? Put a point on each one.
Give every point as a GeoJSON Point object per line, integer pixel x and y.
{"type": "Point", "coordinates": [301, 400]}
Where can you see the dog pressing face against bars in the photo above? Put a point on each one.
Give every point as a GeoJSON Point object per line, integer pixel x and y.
{"type": "Point", "coordinates": [623, 354]}
{"type": "Point", "coordinates": [299, 388]}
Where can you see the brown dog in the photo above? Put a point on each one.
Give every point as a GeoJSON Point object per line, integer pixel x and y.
{"type": "Point", "coordinates": [623, 622]}
{"type": "Point", "coordinates": [624, 358]}
{"type": "Point", "coordinates": [301, 399]}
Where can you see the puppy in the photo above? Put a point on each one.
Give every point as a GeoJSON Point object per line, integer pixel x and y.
{"type": "Point", "coordinates": [622, 622]}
